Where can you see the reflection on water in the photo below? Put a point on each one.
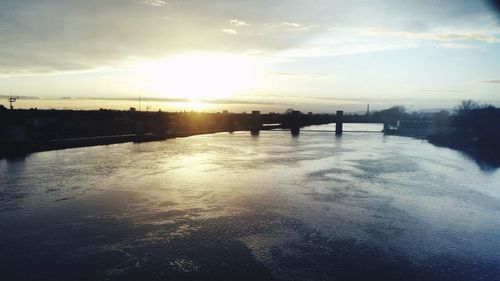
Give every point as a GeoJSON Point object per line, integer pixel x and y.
{"type": "Point", "coordinates": [234, 207]}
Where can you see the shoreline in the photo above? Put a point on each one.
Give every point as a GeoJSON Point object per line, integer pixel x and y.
{"type": "Point", "coordinates": [22, 149]}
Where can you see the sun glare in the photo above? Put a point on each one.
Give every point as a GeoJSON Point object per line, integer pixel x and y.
{"type": "Point", "coordinates": [198, 77]}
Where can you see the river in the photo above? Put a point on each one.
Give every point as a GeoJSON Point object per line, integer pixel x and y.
{"type": "Point", "coordinates": [362, 206]}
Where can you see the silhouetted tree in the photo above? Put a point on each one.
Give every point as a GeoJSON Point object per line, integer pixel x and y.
{"type": "Point", "coordinates": [392, 114]}
{"type": "Point", "coordinates": [466, 106]}
{"type": "Point", "coordinates": [474, 128]}
{"type": "Point", "coordinates": [441, 118]}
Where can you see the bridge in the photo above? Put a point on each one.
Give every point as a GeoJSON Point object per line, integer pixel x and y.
{"type": "Point", "coordinates": [295, 125]}
{"type": "Point", "coordinates": [26, 131]}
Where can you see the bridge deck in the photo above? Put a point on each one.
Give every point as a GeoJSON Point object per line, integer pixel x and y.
{"type": "Point", "coordinates": [329, 131]}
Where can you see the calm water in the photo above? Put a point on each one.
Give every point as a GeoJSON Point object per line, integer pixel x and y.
{"type": "Point", "coordinates": [236, 207]}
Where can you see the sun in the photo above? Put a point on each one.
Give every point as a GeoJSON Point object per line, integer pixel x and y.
{"type": "Point", "coordinates": [198, 77]}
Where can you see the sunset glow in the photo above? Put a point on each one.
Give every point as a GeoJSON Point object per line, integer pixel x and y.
{"type": "Point", "coordinates": [194, 105]}
{"type": "Point", "coordinates": [198, 76]}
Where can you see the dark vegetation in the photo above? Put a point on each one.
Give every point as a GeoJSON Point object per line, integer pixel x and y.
{"type": "Point", "coordinates": [473, 129]}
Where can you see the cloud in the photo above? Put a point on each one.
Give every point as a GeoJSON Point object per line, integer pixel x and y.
{"type": "Point", "coordinates": [54, 36]}
{"type": "Point", "coordinates": [490, 81]}
{"type": "Point", "coordinates": [440, 91]}
{"type": "Point", "coordinates": [469, 37]}
{"type": "Point", "coordinates": [298, 26]}
{"type": "Point", "coordinates": [230, 31]}
{"type": "Point", "coordinates": [39, 36]}
{"type": "Point", "coordinates": [237, 22]}
{"type": "Point", "coordinates": [291, 24]}
{"type": "Point", "coordinates": [434, 36]}
{"type": "Point", "coordinates": [156, 3]}
{"type": "Point", "coordinates": [342, 49]}
{"type": "Point", "coordinates": [234, 101]}
{"type": "Point", "coordinates": [20, 97]}
{"type": "Point", "coordinates": [454, 46]}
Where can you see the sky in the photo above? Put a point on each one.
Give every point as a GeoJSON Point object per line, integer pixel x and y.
{"type": "Point", "coordinates": [311, 55]}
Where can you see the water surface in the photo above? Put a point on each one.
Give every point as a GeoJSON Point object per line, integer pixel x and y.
{"type": "Point", "coordinates": [362, 206]}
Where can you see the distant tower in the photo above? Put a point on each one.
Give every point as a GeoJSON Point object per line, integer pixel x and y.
{"type": "Point", "coordinates": [11, 101]}
{"type": "Point", "coordinates": [368, 109]}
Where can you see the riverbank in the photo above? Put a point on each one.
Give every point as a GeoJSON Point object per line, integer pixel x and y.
{"type": "Point", "coordinates": [19, 149]}
{"type": "Point", "coordinates": [485, 151]}
{"type": "Point", "coordinates": [475, 130]}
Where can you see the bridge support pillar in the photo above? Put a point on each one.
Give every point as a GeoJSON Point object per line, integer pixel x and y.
{"type": "Point", "coordinates": [339, 122]}
{"type": "Point", "coordinates": [295, 123]}
{"type": "Point", "coordinates": [256, 123]}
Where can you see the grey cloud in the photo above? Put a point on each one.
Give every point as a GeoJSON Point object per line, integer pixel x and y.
{"type": "Point", "coordinates": [440, 91]}
{"type": "Point", "coordinates": [53, 35]}
{"type": "Point", "coordinates": [20, 97]}
{"type": "Point", "coordinates": [156, 3]}
{"type": "Point", "coordinates": [490, 81]}
{"type": "Point", "coordinates": [435, 36]}
{"type": "Point", "coordinates": [242, 101]}
{"type": "Point", "coordinates": [474, 37]}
